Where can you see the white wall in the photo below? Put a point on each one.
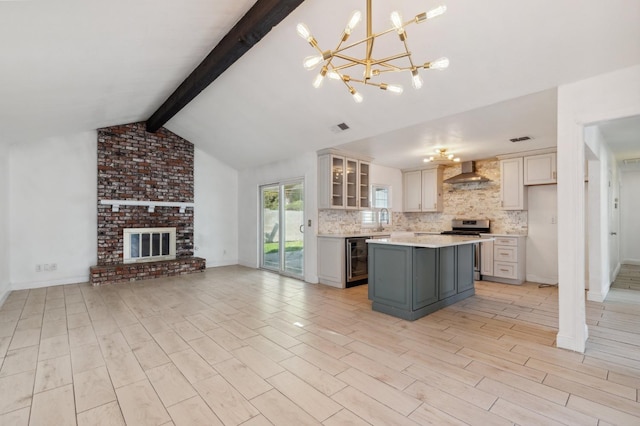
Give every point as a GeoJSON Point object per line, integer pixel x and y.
{"type": "Point", "coordinates": [629, 224]}
{"type": "Point", "coordinates": [53, 210]}
{"type": "Point", "coordinates": [216, 211]}
{"type": "Point", "coordinates": [542, 238]}
{"type": "Point", "coordinates": [604, 97]}
{"type": "Point", "coordinates": [306, 166]}
{"type": "Point", "coordinates": [5, 285]}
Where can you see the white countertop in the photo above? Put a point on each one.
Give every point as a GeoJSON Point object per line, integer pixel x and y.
{"type": "Point", "coordinates": [431, 241]}
{"type": "Point", "coordinates": [356, 234]}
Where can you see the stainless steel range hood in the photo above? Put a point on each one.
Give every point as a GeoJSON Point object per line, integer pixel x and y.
{"type": "Point", "coordinates": [468, 174]}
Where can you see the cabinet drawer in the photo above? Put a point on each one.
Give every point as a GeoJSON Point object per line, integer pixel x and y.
{"type": "Point", "coordinates": [505, 241]}
{"type": "Point", "coordinates": [505, 253]}
{"type": "Point", "coordinates": [505, 270]}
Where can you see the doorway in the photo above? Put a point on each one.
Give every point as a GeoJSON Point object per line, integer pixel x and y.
{"type": "Point", "coordinates": [282, 228]}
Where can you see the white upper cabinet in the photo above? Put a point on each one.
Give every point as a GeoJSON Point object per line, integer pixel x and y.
{"type": "Point", "coordinates": [540, 169]}
{"type": "Point", "coordinates": [343, 183]}
{"type": "Point", "coordinates": [432, 190]}
{"type": "Point", "coordinates": [422, 190]}
{"type": "Point", "coordinates": [512, 189]}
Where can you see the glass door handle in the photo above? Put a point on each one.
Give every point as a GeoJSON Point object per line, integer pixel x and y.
{"type": "Point", "coordinates": [302, 229]}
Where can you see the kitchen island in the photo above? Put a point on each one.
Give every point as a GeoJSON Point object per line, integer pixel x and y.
{"type": "Point", "coordinates": [410, 277]}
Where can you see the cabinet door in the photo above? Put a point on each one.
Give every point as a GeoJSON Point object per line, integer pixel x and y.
{"type": "Point", "coordinates": [391, 275]}
{"type": "Point", "coordinates": [486, 258]}
{"type": "Point", "coordinates": [412, 191]}
{"type": "Point", "coordinates": [425, 287]}
{"type": "Point", "coordinates": [337, 182]}
{"type": "Point", "coordinates": [432, 190]}
{"type": "Point", "coordinates": [464, 260]}
{"type": "Point", "coordinates": [540, 169]}
{"type": "Point", "coordinates": [365, 202]}
{"type": "Point", "coordinates": [512, 184]}
{"type": "Point", "coordinates": [447, 268]}
{"type": "Point", "coordinates": [351, 179]}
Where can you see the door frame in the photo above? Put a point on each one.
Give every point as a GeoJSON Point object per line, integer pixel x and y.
{"type": "Point", "coordinates": [282, 229]}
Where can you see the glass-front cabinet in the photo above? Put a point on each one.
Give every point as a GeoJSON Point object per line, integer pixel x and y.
{"type": "Point", "coordinates": [343, 182]}
{"type": "Point", "coordinates": [337, 182]}
{"type": "Point", "coordinates": [352, 184]}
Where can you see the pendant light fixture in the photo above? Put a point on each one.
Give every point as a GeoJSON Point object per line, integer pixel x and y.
{"type": "Point", "coordinates": [440, 156]}
{"type": "Point", "coordinates": [337, 64]}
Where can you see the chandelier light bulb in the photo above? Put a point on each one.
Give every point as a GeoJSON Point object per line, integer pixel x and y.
{"type": "Point", "coordinates": [450, 156]}
{"type": "Point", "coordinates": [333, 75]}
{"type": "Point", "coordinates": [303, 31]}
{"type": "Point", "coordinates": [416, 80]}
{"type": "Point", "coordinates": [318, 81]}
{"type": "Point", "coordinates": [356, 16]}
{"type": "Point", "coordinates": [356, 96]}
{"type": "Point", "coordinates": [310, 62]}
{"type": "Point", "coordinates": [395, 88]}
{"type": "Point", "coordinates": [457, 160]}
{"type": "Point", "coordinates": [439, 64]}
{"type": "Point", "coordinates": [396, 20]}
{"type": "Point", "coordinates": [436, 12]}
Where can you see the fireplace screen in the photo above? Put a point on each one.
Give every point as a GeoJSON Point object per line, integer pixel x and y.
{"type": "Point", "coordinates": [149, 244]}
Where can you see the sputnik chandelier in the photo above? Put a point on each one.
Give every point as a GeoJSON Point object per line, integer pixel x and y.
{"type": "Point", "coordinates": [440, 156]}
{"type": "Point", "coordinates": [372, 67]}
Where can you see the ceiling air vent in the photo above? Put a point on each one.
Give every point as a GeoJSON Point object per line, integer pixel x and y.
{"type": "Point", "coordinates": [520, 139]}
{"type": "Point", "coordinates": [339, 128]}
{"type": "Point", "coordinates": [631, 162]}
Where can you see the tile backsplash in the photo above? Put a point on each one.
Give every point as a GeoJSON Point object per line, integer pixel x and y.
{"type": "Point", "coordinates": [463, 201]}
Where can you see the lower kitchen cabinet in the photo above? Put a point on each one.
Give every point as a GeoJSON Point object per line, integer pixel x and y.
{"type": "Point", "coordinates": [411, 282]}
{"type": "Point", "coordinates": [331, 261]}
{"type": "Point", "coordinates": [508, 259]}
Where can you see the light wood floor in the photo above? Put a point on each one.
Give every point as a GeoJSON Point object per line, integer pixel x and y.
{"type": "Point", "coordinates": [628, 278]}
{"type": "Point", "coordinates": [239, 346]}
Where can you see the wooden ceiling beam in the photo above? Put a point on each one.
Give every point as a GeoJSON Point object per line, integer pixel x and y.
{"type": "Point", "coordinates": [254, 25]}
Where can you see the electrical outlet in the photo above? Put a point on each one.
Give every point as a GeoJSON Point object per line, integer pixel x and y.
{"type": "Point", "coordinates": [53, 267]}
{"type": "Point", "coordinates": [47, 268]}
{"type": "Point", "coordinates": [554, 220]}
{"type": "Point", "coordinates": [38, 268]}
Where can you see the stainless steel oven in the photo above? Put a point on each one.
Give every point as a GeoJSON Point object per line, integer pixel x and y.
{"type": "Point", "coordinates": [357, 261]}
{"type": "Point", "coordinates": [471, 228]}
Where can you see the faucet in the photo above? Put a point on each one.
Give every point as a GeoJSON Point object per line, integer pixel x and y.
{"type": "Point", "coordinates": [380, 227]}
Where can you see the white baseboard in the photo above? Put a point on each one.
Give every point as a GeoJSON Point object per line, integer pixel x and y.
{"type": "Point", "coordinates": [597, 296]}
{"type": "Point", "coordinates": [571, 343]}
{"type": "Point", "coordinates": [40, 284]}
{"type": "Point", "coordinates": [224, 263]}
{"type": "Point", "coordinates": [635, 262]}
{"type": "Point", "coordinates": [4, 295]}
{"type": "Point", "coordinates": [542, 280]}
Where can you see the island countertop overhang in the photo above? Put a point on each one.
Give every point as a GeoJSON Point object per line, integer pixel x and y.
{"type": "Point", "coordinates": [430, 241]}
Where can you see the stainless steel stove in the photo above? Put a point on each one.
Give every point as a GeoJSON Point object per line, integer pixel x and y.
{"type": "Point", "coordinates": [471, 227]}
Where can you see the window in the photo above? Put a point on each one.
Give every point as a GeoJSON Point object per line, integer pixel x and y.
{"type": "Point", "coordinates": [379, 215]}
{"type": "Point", "coordinates": [149, 244]}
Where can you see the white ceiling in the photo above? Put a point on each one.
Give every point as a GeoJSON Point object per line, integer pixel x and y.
{"type": "Point", "coordinates": [73, 65]}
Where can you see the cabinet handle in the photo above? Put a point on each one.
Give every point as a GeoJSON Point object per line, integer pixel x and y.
{"type": "Point", "coordinates": [504, 270]}
{"type": "Point", "coordinates": [419, 206]}
{"type": "Point", "coordinates": [501, 203]}
{"type": "Point", "coordinates": [554, 175]}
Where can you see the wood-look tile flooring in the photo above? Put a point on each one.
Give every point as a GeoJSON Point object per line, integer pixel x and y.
{"type": "Point", "coordinates": [628, 278]}
{"type": "Point", "coordinates": [240, 346]}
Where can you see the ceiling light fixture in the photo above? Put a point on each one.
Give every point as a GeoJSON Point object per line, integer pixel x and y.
{"type": "Point", "coordinates": [441, 156]}
{"type": "Point", "coordinates": [372, 67]}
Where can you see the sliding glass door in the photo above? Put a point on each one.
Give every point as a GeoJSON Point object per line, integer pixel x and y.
{"type": "Point", "coordinates": [282, 228]}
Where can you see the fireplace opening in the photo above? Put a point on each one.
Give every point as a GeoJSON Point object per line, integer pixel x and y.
{"type": "Point", "coordinates": [149, 244]}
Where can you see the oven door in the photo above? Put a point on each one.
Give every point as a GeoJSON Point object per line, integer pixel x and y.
{"type": "Point", "coordinates": [357, 263]}
{"type": "Point", "coordinates": [477, 261]}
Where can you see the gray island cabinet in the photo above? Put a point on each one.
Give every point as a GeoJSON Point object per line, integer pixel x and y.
{"type": "Point", "coordinates": [410, 277]}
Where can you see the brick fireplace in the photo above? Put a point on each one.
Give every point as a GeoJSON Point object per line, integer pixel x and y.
{"type": "Point", "coordinates": [135, 166]}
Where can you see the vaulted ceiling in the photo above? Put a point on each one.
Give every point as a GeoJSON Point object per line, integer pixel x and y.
{"type": "Point", "coordinates": [72, 65]}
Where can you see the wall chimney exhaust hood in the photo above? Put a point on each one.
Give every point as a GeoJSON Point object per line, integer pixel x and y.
{"type": "Point", "coordinates": [468, 174]}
